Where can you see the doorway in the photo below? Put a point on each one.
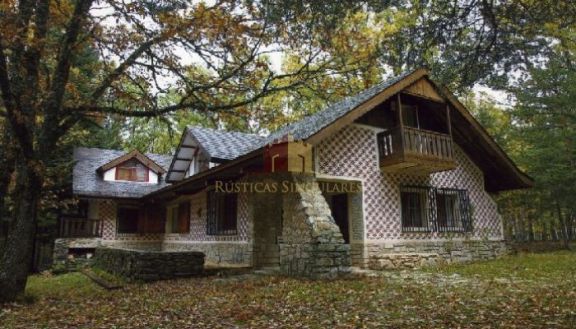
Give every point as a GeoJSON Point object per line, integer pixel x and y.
{"type": "Point", "coordinates": [339, 208]}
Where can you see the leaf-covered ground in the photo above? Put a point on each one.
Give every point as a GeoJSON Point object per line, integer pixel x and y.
{"type": "Point", "coordinates": [526, 291]}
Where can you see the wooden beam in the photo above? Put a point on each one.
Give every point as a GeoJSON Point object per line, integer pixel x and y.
{"type": "Point", "coordinates": [182, 159]}
{"type": "Point", "coordinates": [188, 146]}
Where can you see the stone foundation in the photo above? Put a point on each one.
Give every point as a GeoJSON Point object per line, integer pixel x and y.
{"type": "Point", "coordinates": [399, 255]}
{"type": "Point", "coordinates": [149, 265]}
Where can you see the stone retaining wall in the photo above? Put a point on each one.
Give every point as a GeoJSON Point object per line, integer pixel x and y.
{"type": "Point", "coordinates": [149, 265]}
{"type": "Point", "coordinates": [410, 254]}
{"type": "Point", "coordinates": [221, 253]}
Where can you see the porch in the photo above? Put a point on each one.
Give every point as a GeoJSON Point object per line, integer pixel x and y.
{"type": "Point", "coordinates": [76, 227]}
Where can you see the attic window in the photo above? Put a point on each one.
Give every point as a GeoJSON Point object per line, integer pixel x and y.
{"type": "Point", "coordinates": [132, 170]}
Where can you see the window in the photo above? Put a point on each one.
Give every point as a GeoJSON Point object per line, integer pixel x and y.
{"type": "Point", "coordinates": [132, 170]}
{"type": "Point", "coordinates": [127, 219]}
{"type": "Point", "coordinates": [440, 209]}
{"type": "Point", "coordinates": [414, 202]}
{"type": "Point", "coordinates": [452, 213]}
{"type": "Point", "coordinates": [178, 218]}
{"type": "Point", "coordinates": [222, 213]}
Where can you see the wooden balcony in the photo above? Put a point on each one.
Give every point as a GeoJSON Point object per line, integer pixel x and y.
{"type": "Point", "coordinates": [411, 150]}
{"type": "Point", "coordinates": [80, 228]}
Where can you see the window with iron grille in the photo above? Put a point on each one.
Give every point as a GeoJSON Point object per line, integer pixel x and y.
{"type": "Point", "coordinates": [415, 209]}
{"type": "Point", "coordinates": [222, 211]}
{"type": "Point", "coordinates": [427, 209]}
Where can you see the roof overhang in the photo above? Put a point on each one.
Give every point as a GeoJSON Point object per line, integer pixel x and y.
{"type": "Point", "coordinates": [232, 169]}
{"type": "Point", "coordinates": [187, 149]}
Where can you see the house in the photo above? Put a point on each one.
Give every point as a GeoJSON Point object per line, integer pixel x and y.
{"type": "Point", "coordinates": [399, 175]}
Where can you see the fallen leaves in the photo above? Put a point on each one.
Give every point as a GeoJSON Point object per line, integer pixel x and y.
{"type": "Point", "coordinates": [494, 295]}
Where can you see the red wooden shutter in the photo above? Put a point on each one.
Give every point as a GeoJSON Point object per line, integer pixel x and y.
{"type": "Point", "coordinates": [184, 217]}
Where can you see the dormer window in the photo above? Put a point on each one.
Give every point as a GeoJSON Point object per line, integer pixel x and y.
{"type": "Point", "coordinates": [132, 170]}
{"type": "Point", "coordinates": [132, 167]}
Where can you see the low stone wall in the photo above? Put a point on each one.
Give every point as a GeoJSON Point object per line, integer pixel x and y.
{"type": "Point", "coordinates": [221, 253]}
{"type": "Point", "coordinates": [149, 265]}
{"type": "Point", "coordinates": [152, 245]}
{"type": "Point", "coordinates": [62, 247]}
{"type": "Point", "coordinates": [399, 255]}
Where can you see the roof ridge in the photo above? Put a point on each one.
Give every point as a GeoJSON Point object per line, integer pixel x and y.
{"type": "Point", "coordinates": [223, 130]}
{"type": "Point", "coordinates": [117, 150]}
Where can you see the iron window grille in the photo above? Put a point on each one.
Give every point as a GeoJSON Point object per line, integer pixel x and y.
{"type": "Point", "coordinates": [222, 211]}
{"type": "Point", "coordinates": [427, 209]}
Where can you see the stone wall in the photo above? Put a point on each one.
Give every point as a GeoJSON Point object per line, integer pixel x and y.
{"type": "Point", "coordinates": [311, 244]}
{"type": "Point", "coordinates": [63, 245]}
{"type": "Point", "coordinates": [221, 253]}
{"type": "Point", "coordinates": [149, 265]}
{"type": "Point", "coordinates": [266, 216]}
{"type": "Point", "coordinates": [411, 254]}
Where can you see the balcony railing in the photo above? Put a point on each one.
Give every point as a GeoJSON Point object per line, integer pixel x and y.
{"type": "Point", "coordinates": [80, 228]}
{"type": "Point", "coordinates": [417, 147]}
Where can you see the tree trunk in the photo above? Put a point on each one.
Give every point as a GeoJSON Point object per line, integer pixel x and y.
{"type": "Point", "coordinates": [16, 256]}
{"type": "Point", "coordinates": [563, 227]}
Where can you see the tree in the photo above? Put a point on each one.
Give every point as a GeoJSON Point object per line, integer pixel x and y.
{"type": "Point", "coordinates": [213, 57]}
{"type": "Point", "coordinates": [546, 115]}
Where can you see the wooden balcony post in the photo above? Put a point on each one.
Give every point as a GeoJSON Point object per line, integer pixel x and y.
{"type": "Point", "coordinates": [400, 122]}
{"type": "Point", "coordinates": [449, 122]}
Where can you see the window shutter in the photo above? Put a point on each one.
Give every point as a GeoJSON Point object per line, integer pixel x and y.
{"type": "Point", "coordinates": [184, 217]}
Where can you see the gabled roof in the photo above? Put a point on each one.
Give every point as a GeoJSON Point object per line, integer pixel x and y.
{"type": "Point", "coordinates": [87, 182]}
{"type": "Point", "coordinates": [135, 154]}
{"type": "Point", "coordinates": [216, 146]}
{"type": "Point", "coordinates": [500, 172]}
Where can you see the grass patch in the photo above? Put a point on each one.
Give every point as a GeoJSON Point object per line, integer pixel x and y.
{"type": "Point", "coordinates": [61, 286]}
{"type": "Point", "coordinates": [109, 277]}
{"type": "Point", "coordinates": [526, 266]}
{"type": "Point", "coordinates": [540, 292]}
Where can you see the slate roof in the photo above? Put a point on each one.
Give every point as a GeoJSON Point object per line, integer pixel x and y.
{"type": "Point", "coordinates": [86, 182]}
{"type": "Point", "coordinates": [312, 124]}
{"type": "Point", "coordinates": [228, 145]}
{"type": "Point", "coordinates": [225, 145]}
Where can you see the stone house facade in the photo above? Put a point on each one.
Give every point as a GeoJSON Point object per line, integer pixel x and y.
{"type": "Point", "coordinates": [400, 175]}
